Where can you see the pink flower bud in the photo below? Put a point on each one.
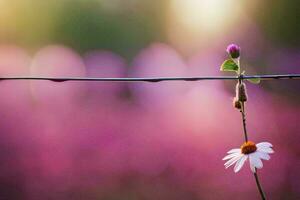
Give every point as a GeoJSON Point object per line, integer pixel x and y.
{"type": "Point", "coordinates": [233, 50]}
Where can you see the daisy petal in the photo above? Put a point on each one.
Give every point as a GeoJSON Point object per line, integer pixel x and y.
{"type": "Point", "coordinates": [231, 156]}
{"type": "Point", "coordinates": [232, 161]}
{"type": "Point", "coordinates": [234, 151]}
{"type": "Point", "coordinates": [251, 162]}
{"type": "Point", "coordinates": [264, 144]}
{"type": "Point", "coordinates": [263, 155]}
{"type": "Point", "coordinates": [265, 149]}
{"type": "Point", "coordinates": [255, 162]}
{"type": "Point", "coordinates": [252, 167]}
{"type": "Point", "coordinates": [239, 164]}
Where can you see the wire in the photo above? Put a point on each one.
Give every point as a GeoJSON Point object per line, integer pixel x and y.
{"type": "Point", "coordinates": [157, 79]}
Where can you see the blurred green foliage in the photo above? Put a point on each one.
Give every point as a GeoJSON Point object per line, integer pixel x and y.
{"type": "Point", "coordinates": [85, 25]}
{"type": "Point", "coordinates": [280, 21]}
{"type": "Point", "coordinates": [123, 26]}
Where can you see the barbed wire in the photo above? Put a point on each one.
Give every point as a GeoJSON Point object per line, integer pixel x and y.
{"type": "Point", "coordinates": [156, 79]}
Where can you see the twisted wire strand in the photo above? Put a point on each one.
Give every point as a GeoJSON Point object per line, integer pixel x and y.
{"type": "Point", "coordinates": [156, 79]}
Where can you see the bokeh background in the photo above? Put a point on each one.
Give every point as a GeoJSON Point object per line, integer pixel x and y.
{"type": "Point", "coordinates": [144, 141]}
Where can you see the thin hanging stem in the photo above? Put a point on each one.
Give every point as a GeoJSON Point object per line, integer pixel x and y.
{"type": "Point", "coordinates": [242, 110]}
{"type": "Point", "coordinates": [244, 121]}
{"type": "Point", "coordinates": [261, 192]}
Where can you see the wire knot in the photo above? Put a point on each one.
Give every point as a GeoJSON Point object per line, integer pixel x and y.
{"type": "Point", "coordinates": [241, 78]}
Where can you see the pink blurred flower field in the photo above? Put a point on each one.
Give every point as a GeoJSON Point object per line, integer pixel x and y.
{"type": "Point", "coordinates": [90, 140]}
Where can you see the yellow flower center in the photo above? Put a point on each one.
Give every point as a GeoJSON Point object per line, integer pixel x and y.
{"type": "Point", "coordinates": [248, 147]}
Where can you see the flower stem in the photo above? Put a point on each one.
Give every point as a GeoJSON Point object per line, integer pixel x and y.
{"type": "Point", "coordinates": [243, 112]}
{"type": "Point", "coordinates": [262, 194]}
{"type": "Point", "coordinates": [244, 121]}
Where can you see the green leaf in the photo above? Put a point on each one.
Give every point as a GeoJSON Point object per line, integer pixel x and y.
{"type": "Point", "coordinates": [229, 65]}
{"type": "Point", "coordinates": [254, 80]}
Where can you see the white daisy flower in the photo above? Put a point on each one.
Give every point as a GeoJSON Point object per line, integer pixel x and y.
{"type": "Point", "coordinates": [255, 153]}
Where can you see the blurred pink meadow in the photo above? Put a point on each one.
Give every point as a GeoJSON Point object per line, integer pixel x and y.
{"type": "Point", "coordinates": [94, 140]}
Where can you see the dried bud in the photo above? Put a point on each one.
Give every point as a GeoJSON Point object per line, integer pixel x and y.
{"type": "Point", "coordinates": [236, 103]}
{"type": "Point", "coordinates": [241, 92]}
{"type": "Point", "coordinates": [234, 51]}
